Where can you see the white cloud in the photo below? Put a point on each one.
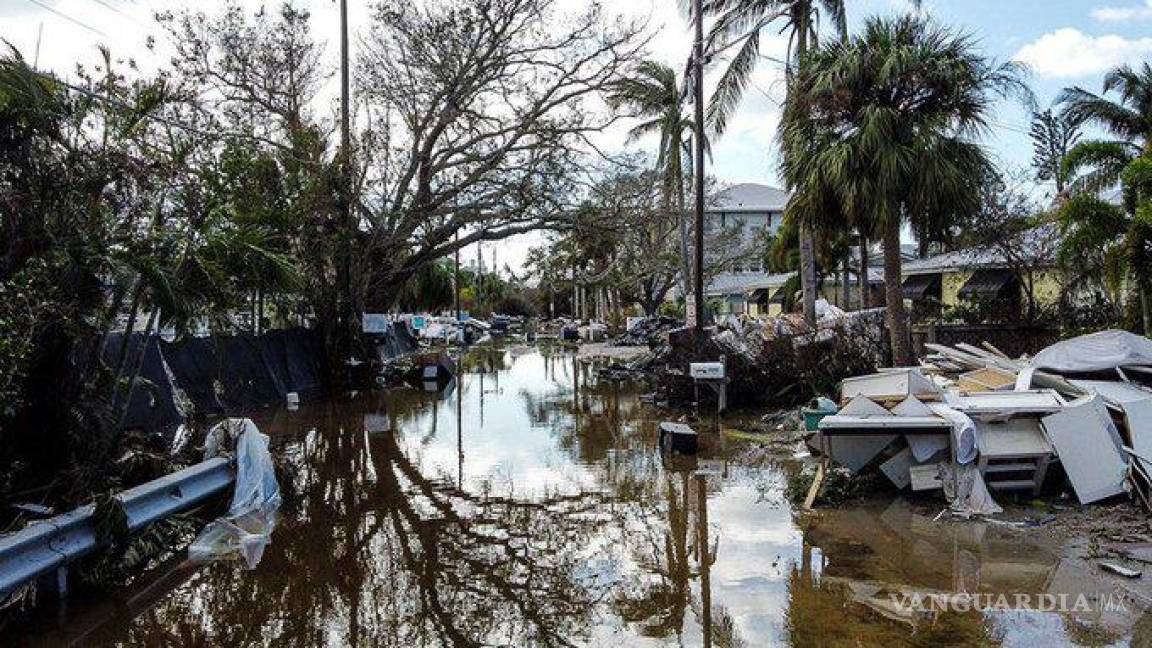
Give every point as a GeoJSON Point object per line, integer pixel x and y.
{"type": "Point", "coordinates": [1123, 14]}
{"type": "Point", "coordinates": [1069, 53]}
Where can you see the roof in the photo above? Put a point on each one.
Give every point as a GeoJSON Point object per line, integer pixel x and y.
{"type": "Point", "coordinates": [749, 197]}
{"type": "Point", "coordinates": [974, 257]}
{"type": "Point", "coordinates": [730, 283]}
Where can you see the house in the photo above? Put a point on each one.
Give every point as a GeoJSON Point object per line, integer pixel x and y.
{"type": "Point", "coordinates": [755, 210]}
{"type": "Point", "coordinates": [997, 277]}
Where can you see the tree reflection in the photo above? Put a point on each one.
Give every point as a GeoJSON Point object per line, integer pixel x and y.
{"type": "Point", "coordinates": [386, 543]}
{"type": "Point", "coordinates": [378, 553]}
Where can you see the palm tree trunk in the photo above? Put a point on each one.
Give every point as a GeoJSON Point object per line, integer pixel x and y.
{"type": "Point", "coordinates": [807, 246]}
{"type": "Point", "coordinates": [897, 317]}
{"type": "Point", "coordinates": [862, 278]}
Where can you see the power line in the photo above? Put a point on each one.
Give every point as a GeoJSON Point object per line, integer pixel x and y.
{"type": "Point", "coordinates": [70, 19]}
{"type": "Point", "coordinates": [114, 9]}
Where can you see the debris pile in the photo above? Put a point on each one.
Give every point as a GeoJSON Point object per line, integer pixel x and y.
{"type": "Point", "coordinates": [775, 361]}
{"type": "Point", "coordinates": [972, 420]}
{"type": "Point", "coordinates": [649, 331]}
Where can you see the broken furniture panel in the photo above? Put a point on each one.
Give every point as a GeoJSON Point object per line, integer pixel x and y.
{"type": "Point", "coordinates": [891, 385]}
{"type": "Point", "coordinates": [855, 451]}
{"type": "Point", "coordinates": [1006, 403]}
{"type": "Point", "coordinates": [925, 477]}
{"type": "Point", "coordinates": [1084, 440]}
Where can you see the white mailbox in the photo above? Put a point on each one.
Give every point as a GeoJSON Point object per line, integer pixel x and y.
{"type": "Point", "coordinates": [706, 370]}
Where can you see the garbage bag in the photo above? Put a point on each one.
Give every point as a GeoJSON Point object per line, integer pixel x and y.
{"type": "Point", "coordinates": [247, 528]}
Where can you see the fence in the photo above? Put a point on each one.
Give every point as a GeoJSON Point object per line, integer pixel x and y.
{"type": "Point", "coordinates": [1014, 340]}
{"type": "Point", "coordinates": [217, 375]}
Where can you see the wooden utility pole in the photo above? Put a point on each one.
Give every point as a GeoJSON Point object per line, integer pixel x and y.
{"type": "Point", "coordinates": [698, 91]}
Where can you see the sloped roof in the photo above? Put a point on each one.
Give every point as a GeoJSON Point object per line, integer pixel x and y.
{"type": "Point", "coordinates": [730, 283]}
{"type": "Point", "coordinates": [974, 257]}
{"type": "Point", "coordinates": [749, 197]}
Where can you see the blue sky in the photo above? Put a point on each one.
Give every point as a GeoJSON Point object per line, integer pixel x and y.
{"type": "Point", "coordinates": [1065, 42]}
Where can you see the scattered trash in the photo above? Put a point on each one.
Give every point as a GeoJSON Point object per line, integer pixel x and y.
{"type": "Point", "coordinates": [1119, 570]}
{"type": "Point", "coordinates": [247, 528]}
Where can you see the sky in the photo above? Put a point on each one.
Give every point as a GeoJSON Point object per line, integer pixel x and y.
{"type": "Point", "coordinates": [1064, 43]}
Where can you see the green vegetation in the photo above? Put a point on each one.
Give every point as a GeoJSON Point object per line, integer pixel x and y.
{"type": "Point", "coordinates": [213, 195]}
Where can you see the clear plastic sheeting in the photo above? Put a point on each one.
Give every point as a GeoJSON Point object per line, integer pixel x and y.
{"type": "Point", "coordinates": [965, 490]}
{"type": "Point", "coordinates": [247, 528]}
{"type": "Point", "coordinates": [964, 439]}
{"type": "Point", "coordinates": [1096, 352]}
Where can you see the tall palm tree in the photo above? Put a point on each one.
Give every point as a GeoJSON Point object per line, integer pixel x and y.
{"type": "Point", "coordinates": [885, 124]}
{"type": "Point", "coordinates": [1125, 159]}
{"type": "Point", "coordinates": [656, 97]}
{"type": "Point", "coordinates": [739, 24]}
{"type": "Point", "coordinates": [1098, 164]}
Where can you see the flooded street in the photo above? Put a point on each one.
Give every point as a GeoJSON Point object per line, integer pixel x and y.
{"type": "Point", "coordinates": [527, 505]}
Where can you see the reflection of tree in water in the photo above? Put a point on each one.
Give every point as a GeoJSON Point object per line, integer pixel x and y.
{"type": "Point", "coordinates": [379, 554]}
{"type": "Point", "coordinates": [376, 551]}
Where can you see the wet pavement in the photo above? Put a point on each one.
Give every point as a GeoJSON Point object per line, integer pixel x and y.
{"type": "Point", "coordinates": [526, 505]}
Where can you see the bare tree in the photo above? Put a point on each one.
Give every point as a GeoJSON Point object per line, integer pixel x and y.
{"type": "Point", "coordinates": [483, 112]}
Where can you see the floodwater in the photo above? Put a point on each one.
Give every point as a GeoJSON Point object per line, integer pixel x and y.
{"type": "Point", "coordinates": [527, 505]}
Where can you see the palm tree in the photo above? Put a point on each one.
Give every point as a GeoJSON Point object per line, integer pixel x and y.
{"type": "Point", "coordinates": [656, 96]}
{"type": "Point", "coordinates": [739, 24]}
{"type": "Point", "coordinates": [1125, 159]}
{"type": "Point", "coordinates": [884, 124]}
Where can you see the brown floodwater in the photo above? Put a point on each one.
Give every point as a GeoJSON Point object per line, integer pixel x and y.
{"type": "Point", "coordinates": [527, 505]}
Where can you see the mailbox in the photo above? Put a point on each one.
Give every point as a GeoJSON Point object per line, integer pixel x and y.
{"type": "Point", "coordinates": [706, 370]}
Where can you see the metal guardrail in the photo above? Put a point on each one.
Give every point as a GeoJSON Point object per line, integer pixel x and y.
{"type": "Point", "coordinates": [50, 545]}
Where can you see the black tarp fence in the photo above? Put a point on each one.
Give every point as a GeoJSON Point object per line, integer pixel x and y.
{"type": "Point", "coordinates": [218, 375]}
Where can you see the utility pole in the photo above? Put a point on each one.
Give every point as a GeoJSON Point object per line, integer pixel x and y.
{"type": "Point", "coordinates": [698, 68]}
{"type": "Point", "coordinates": [456, 278]}
{"type": "Point", "coordinates": [479, 277]}
{"type": "Point", "coordinates": [347, 308]}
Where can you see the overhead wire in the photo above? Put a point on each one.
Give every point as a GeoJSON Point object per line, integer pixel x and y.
{"type": "Point", "coordinates": [65, 16]}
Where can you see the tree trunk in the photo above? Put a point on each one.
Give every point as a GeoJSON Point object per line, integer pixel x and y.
{"type": "Point", "coordinates": [845, 286]}
{"type": "Point", "coordinates": [865, 284]}
{"type": "Point", "coordinates": [807, 245]}
{"type": "Point", "coordinates": [808, 272]}
{"type": "Point", "coordinates": [897, 317]}
{"type": "Point", "coordinates": [1146, 308]}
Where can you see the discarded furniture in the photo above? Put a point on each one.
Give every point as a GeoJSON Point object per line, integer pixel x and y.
{"type": "Point", "coordinates": [890, 385]}
{"type": "Point", "coordinates": [1014, 454]}
{"type": "Point", "coordinates": [678, 438]}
